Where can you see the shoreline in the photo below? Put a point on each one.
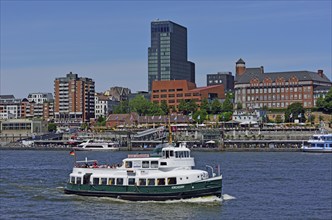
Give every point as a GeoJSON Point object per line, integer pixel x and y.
{"type": "Point", "coordinates": [65, 148]}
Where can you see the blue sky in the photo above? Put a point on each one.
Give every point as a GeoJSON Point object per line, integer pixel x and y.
{"type": "Point", "coordinates": [108, 40]}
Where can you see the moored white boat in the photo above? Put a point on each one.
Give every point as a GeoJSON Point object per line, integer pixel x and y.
{"type": "Point", "coordinates": [91, 145]}
{"type": "Point", "coordinates": [167, 176]}
{"type": "Point", "coordinates": [319, 143]}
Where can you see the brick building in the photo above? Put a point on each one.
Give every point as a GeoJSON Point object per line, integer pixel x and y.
{"type": "Point", "coordinates": [255, 89]}
{"type": "Point", "coordinates": [173, 91]}
{"type": "Point", "coordinates": [73, 100]}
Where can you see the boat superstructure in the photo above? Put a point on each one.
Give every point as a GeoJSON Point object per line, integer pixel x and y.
{"type": "Point", "coordinates": [319, 143]}
{"type": "Point", "coordinates": [91, 144]}
{"type": "Point", "coordinates": [169, 175]}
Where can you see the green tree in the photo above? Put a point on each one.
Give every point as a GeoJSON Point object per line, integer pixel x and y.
{"type": "Point", "coordinates": [294, 111]}
{"type": "Point", "coordinates": [187, 107]}
{"type": "Point", "coordinates": [182, 107]}
{"type": "Point", "coordinates": [191, 106]}
{"type": "Point", "coordinates": [140, 105]}
{"type": "Point", "coordinates": [325, 104]}
{"type": "Point", "coordinates": [227, 105]}
{"type": "Point", "coordinates": [225, 116]}
{"type": "Point", "coordinates": [154, 109]}
{"type": "Point", "coordinates": [216, 107]}
{"type": "Point", "coordinates": [164, 107]}
{"type": "Point", "coordinates": [101, 121]}
{"type": "Point", "coordinates": [123, 108]}
{"type": "Point", "coordinates": [239, 106]}
{"type": "Point", "coordinates": [51, 127]}
{"type": "Point", "coordinates": [199, 116]}
{"type": "Point", "coordinates": [205, 105]}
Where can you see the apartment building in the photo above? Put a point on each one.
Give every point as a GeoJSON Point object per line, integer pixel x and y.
{"type": "Point", "coordinates": [10, 107]}
{"type": "Point", "coordinates": [74, 100]}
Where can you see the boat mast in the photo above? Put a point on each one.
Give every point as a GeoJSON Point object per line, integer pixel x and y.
{"type": "Point", "coordinates": [169, 131]}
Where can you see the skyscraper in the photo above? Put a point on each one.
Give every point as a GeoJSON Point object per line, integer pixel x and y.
{"type": "Point", "coordinates": [168, 59]}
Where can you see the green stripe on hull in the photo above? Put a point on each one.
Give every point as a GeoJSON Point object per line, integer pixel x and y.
{"type": "Point", "coordinates": [197, 189]}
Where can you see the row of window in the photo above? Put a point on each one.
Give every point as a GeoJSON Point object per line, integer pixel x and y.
{"type": "Point", "coordinates": [177, 95]}
{"type": "Point", "coordinates": [16, 126]}
{"type": "Point", "coordinates": [276, 104]}
{"type": "Point", "coordinates": [170, 90]}
{"type": "Point", "coordinates": [131, 181]}
{"type": "Point", "coordinates": [283, 89]}
{"type": "Point", "coordinates": [278, 97]}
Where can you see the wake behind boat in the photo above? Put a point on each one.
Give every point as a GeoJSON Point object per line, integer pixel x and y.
{"type": "Point", "coordinates": [166, 176]}
{"type": "Point", "coordinates": [319, 143]}
{"type": "Point", "coordinates": [90, 145]}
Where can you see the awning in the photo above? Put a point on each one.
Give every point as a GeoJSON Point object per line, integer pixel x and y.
{"type": "Point", "coordinates": [210, 142]}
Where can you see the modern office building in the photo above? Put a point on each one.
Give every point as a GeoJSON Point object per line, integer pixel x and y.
{"type": "Point", "coordinates": [255, 89]}
{"type": "Point", "coordinates": [225, 78]}
{"type": "Point", "coordinates": [168, 54]}
{"type": "Point", "coordinates": [74, 100]}
{"type": "Point", "coordinates": [173, 91]}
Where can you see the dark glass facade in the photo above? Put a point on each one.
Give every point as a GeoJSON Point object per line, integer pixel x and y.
{"type": "Point", "coordinates": [167, 56]}
{"type": "Point", "coordinates": [225, 78]}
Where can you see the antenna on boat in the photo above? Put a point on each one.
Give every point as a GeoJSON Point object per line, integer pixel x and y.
{"type": "Point", "coordinates": [169, 130]}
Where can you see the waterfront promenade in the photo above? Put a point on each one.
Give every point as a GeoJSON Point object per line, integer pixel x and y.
{"type": "Point", "coordinates": [212, 139]}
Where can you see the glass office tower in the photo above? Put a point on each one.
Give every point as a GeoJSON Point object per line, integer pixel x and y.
{"type": "Point", "coordinates": [168, 58]}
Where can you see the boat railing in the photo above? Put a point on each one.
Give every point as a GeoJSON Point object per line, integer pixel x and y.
{"type": "Point", "coordinates": [213, 174]}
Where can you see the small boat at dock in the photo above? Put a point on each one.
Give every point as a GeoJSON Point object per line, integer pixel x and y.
{"type": "Point", "coordinates": [91, 145]}
{"type": "Point", "coordinates": [319, 143]}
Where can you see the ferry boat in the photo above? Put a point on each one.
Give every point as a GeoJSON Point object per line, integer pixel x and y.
{"type": "Point", "coordinates": [168, 175]}
{"type": "Point", "coordinates": [319, 143]}
{"type": "Point", "coordinates": [91, 144]}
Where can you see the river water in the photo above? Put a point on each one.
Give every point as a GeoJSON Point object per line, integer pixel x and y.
{"type": "Point", "coordinates": [256, 185]}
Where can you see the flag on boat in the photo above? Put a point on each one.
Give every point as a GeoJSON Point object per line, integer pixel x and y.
{"type": "Point", "coordinates": [72, 153]}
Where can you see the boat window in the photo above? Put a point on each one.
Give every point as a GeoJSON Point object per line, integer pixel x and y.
{"type": "Point", "coordinates": [119, 181]}
{"type": "Point", "coordinates": [72, 179]}
{"type": "Point", "coordinates": [320, 145]}
{"type": "Point", "coordinates": [145, 164]}
{"type": "Point", "coordinates": [154, 164]}
{"type": "Point", "coordinates": [171, 153]}
{"type": "Point", "coordinates": [103, 181]}
{"type": "Point", "coordinates": [164, 154]}
{"type": "Point", "coordinates": [111, 181]}
{"type": "Point", "coordinates": [129, 164]}
{"type": "Point", "coordinates": [160, 181]}
{"type": "Point", "coordinates": [95, 181]}
{"type": "Point", "coordinates": [131, 181]}
{"type": "Point", "coordinates": [78, 180]}
{"type": "Point", "coordinates": [95, 146]}
{"type": "Point", "coordinates": [142, 182]}
{"type": "Point", "coordinates": [163, 163]}
{"type": "Point", "coordinates": [151, 182]}
{"type": "Point", "coordinates": [171, 180]}
{"type": "Point", "coordinates": [167, 154]}
{"type": "Point", "coordinates": [176, 154]}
